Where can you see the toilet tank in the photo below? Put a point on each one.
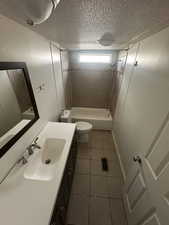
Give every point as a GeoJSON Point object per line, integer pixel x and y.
{"type": "Point", "coordinates": [66, 116]}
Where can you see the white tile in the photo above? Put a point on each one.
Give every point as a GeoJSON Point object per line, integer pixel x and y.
{"type": "Point", "coordinates": [82, 166]}
{"type": "Point", "coordinates": [81, 185]}
{"type": "Point", "coordinates": [99, 212]}
{"type": "Point", "coordinates": [78, 210]}
{"type": "Point", "coordinates": [117, 212]}
{"type": "Point", "coordinates": [99, 186]}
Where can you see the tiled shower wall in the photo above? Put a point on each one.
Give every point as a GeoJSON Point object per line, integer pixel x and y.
{"type": "Point", "coordinates": [91, 83]}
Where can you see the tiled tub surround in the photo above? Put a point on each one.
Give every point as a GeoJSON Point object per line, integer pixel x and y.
{"type": "Point", "coordinates": [96, 195]}
{"type": "Point", "coordinates": [25, 201]}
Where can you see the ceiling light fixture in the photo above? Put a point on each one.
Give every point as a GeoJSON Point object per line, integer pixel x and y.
{"type": "Point", "coordinates": [40, 10]}
{"type": "Point", "coordinates": [106, 39]}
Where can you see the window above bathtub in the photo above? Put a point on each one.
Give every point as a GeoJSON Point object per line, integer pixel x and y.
{"type": "Point", "coordinates": [95, 58]}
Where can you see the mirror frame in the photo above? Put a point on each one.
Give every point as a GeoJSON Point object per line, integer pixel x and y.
{"type": "Point", "coordinates": [13, 66]}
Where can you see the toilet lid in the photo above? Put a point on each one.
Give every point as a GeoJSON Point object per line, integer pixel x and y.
{"type": "Point", "coordinates": [83, 126]}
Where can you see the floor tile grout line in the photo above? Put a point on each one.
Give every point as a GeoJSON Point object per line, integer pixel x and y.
{"type": "Point", "coordinates": [96, 196]}
{"type": "Point", "coordinates": [108, 194]}
{"type": "Point", "coordinates": [110, 212]}
{"type": "Point", "coordinates": [94, 174]}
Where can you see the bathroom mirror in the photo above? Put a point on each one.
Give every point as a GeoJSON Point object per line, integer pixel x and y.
{"type": "Point", "coordinates": [18, 110]}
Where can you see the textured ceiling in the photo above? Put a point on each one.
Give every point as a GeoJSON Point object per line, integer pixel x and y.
{"type": "Point", "coordinates": [80, 23]}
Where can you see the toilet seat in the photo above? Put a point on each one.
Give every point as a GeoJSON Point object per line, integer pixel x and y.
{"type": "Point", "coordinates": [83, 127]}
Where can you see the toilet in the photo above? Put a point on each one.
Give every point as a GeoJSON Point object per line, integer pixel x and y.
{"type": "Point", "coordinates": [83, 128]}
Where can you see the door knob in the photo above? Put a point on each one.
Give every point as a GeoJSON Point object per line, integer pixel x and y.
{"type": "Point", "coordinates": [137, 159]}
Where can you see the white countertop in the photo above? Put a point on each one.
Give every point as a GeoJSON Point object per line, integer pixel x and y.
{"type": "Point", "coordinates": [30, 202]}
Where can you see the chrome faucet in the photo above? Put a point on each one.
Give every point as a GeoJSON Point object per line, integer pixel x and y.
{"type": "Point", "coordinates": [34, 145]}
{"type": "Point", "coordinates": [23, 159]}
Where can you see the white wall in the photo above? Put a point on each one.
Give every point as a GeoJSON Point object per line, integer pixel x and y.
{"type": "Point", "coordinates": [143, 104]}
{"type": "Point", "coordinates": [18, 43]}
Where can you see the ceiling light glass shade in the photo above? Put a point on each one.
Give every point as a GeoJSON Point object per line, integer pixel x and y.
{"type": "Point", "coordinates": [40, 10]}
{"type": "Point", "coordinates": [106, 39]}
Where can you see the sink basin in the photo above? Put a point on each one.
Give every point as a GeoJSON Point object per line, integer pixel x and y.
{"type": "Point", "coordinates": [43, 164]}
{"type": "Point", "coordinates": [52, 150]}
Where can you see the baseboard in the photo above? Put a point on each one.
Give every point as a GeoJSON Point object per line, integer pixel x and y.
{"type": "Point", "coordinates": [119, 157]}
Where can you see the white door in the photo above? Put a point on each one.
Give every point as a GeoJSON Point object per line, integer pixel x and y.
{"type": "Point", "coordinates": [146, 192]}
{"type": "Point", "coordinates": [146, 111]}
{"type": "Point", "coordinates": [156, 169]}
{"type": "Point", "coordinates": [138, 203]}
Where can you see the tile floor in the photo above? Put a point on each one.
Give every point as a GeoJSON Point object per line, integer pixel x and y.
{"type": "Point", "coordinates": [96, 194]}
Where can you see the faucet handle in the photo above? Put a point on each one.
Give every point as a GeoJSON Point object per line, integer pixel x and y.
{"type": "Point", "coordinates": [23, 159]}
{"type": "Point", "coordinates": [30, 150]}
{"type": "Point", "coordinates": [35, 140]}
{"type": "Point", "coordinates": [35, 144]}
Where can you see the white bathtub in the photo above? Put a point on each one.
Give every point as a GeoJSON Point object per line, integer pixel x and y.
{"type": "Point", "coordinates": [100, 118]}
